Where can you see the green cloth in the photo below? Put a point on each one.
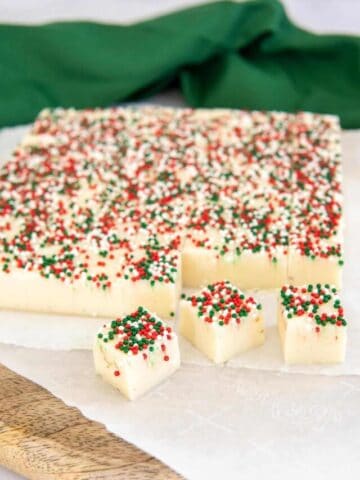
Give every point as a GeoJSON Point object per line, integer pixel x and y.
{"type": "Point", "coordinates": [241, 55]}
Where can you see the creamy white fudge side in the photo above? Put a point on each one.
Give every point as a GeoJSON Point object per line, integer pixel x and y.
{"type": "Point", "coordinates": [221, 321]}
{"type": "Point", "coordinates": [320, 267]}
{"type": "Point", "coordinates": [311, 324]}
{"type": "Point", "coordinates": [246, 269]}
{"type": "Point", "coordinates": [136, 352]}
{"type": "Point", "coordinates": [149, 277]}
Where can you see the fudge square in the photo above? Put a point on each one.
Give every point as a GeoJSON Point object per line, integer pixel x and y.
{"type": "Point", "coordinates": [107, 209]}
{"type": "Point", "coordinates": [311, 324]}
{"type": "Point", "coordinates": [136, 352]}
{"type": "Point", "coordinates": [221, 321]}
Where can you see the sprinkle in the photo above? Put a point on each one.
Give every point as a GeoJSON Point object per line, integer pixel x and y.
{"type": "Point", "coordinates": [223, 304]}
{"type": "Point", "coordinates": [309, 301]}
{"type": "Point", "coordinates": [137, 333]}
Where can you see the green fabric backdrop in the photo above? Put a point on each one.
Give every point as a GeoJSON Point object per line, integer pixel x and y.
{"type": "Point", "coordinates": [247, 55]}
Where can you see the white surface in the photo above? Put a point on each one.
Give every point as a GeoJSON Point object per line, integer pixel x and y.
{"type": "Point", "coordinates": [294, 426]}
{"type": "Point", "coordinates": [318, 15]}
{"type": "Point", "coordinates": [204, 421]}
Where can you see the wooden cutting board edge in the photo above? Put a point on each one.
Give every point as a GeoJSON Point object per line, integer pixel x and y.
{"type": "Point", "coordinates": [41, 438]}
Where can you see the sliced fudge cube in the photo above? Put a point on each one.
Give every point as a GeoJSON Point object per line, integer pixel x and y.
{"type": "Point", "coordinates": [199, 258]}
{"type": "Point", "coordinates": [136, 352]}
{"type": "Point", "coordinates": [199, 266]}
{"type": "Point", "coordinates": [246, 269]}
{"type": "Point", "coordinates": [152, 278]}
{"type": "Point", "coordinates": [221, 321]}
{"type": "Point", "coordinates": [316, 239]}
{"type": "Point", "coordinates": [252, 269]}
{"type": "Point", "coordinates": [253, 255]}
{"type": "Point", "coordinates": [308, 262]}
{"type": "Point", "coordinates": [311, 324]}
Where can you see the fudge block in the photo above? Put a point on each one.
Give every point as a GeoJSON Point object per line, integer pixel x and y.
{"type": "Point", "coordinates": [221, 321]}
{"type": "Point", "coordinates": [311, 324]}
{"type": "Point", "coordinates": [99, 207]}
{"type": "Point", "coordinates": [136, 352]}
{"type": "Point", "coordinates": [150, 278]}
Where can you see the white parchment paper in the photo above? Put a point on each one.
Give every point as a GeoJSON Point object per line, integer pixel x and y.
{"type": "Point", "coordinates": [219, 422]}
{"type": "Point", "coordinates": [253, 417]}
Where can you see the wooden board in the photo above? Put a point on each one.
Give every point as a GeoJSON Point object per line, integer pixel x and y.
{"type": "Point", "coordinates": [43, 439]}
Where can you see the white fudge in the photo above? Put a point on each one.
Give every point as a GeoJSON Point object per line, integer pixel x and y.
{"type": "Point", "coordinates": [221, 321]}
{"type": "Point", "coordinates": [136, 352]}
{"type": "Point", "coordinates": [247, 270]}
{"type": "Point", "coordinates": [104, 210]}
{"type": "Point", "coordinates": [311, 324]}
{"type": "Point", "coordinates": [304, 269]}
{"type": "Point", "coordinates": [114, 289]}
{"type": "Point", "coordinates": [316, 234]}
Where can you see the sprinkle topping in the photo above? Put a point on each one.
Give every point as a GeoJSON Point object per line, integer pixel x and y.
{"type": "Point", "coordinates": [221, 303]}
{"type": "Point", "coordinates": [138, 333]}
{"type": "Point", "coordinates": [319, 302]}
{"type": "Point", "coordinates": [95, 196]}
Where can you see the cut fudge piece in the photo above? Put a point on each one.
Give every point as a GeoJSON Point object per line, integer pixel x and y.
{"type": "Point", "coordinates": [246, 268]}
{"type": "Point", "coordinates": [316, 238]}
{"type": "Point", "coordinates": [311, 262]}
{"type": "Point", "coordinates": [254, 269]}
{"type": "Point", "coordinates": [199, 259]}
{"type": "Point", "coordinates": [255, 255]}
{"type": "Point", "coordinates": [311, 324]}
{"type": "Point", "coordinates": [221, 321]}
{"type": "Point", "coordinates": [136, 352]}
{"type": "Point", "coordinates": [151, 279]}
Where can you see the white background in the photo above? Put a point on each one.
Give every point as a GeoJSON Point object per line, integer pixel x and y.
{"type": "Point", "coordinates": [318, 15]}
